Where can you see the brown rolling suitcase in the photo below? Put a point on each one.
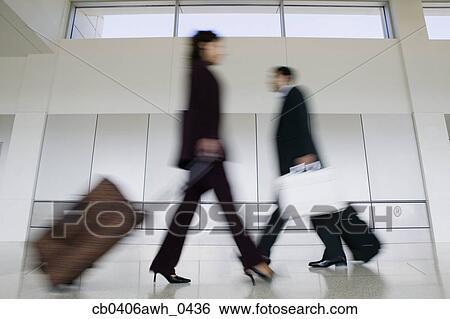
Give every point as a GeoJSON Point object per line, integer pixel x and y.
{"type": "Point", "coordinates": [77, 241]}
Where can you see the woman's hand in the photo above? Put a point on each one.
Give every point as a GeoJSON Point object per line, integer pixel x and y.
{"type": "Point", "coordinates": [209, 147]}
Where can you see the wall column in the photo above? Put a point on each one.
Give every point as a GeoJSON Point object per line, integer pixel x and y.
{"type": "Point", "coordinates": [19, 177]}
{"type": "Point", "coordinates": [17, 186]}
{"type": "Point", "coordinates": [431, 132]}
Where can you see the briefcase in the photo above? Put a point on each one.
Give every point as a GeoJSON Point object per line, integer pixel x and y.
{"type": "Point", "coordinates": [311, 193]}
{"type": "Point", "coordinates": [77, 241]}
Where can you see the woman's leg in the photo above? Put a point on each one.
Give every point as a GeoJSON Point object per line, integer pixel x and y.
{"type": "Point", "coordinates": [219, 182]}
{"type": "Point", "coordinates": [170, 250]}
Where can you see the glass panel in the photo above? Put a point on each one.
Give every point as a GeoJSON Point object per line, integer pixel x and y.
{"type": "Point", "coordinates": [123, 22]}
{"type": "Point", "coordinates": [229, 20]}
{"type": "Point", "coordinates": [438, 23]}
{"type": "Point", "coordinates": [233, 21]}
{"type": "Point", "coordinates": [335, 22]}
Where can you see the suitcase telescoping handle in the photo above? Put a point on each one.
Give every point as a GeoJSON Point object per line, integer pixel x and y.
{"type": "Point", "coordinates": [198, 167]}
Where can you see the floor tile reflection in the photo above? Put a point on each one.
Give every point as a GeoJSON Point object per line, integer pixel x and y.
{"type": "Point", "coordinates": [216, 273]}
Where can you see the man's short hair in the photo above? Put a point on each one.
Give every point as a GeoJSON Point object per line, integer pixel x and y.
{"type": "Point", "coordinates": [285, 71]}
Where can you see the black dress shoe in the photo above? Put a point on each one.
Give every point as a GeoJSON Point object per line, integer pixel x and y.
{"type": "Point", "coordinates": [172, 278]}
{"type": "Point", "coordinates": [325, 263]}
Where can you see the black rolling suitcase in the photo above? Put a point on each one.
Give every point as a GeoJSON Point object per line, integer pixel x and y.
{"type": "Point", "coordinates": [357, 235]}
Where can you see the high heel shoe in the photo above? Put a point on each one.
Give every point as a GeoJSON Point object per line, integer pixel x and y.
{"type": "Point", "coordinates": [255, 270]}
{"type": "Point", "coordinates": [172, 278]}
{"type": "Point", "coordinates": [265, 259]}
{"type": "Point", "coordinates": [250, 276]}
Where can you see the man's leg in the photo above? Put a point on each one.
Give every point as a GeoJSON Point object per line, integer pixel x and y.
{"type": "Point", "coordinates": [327, 227]}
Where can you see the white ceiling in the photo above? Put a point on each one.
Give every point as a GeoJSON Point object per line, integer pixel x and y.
{"type": "Point", "coordinates": [12, 43]}
{"type": "Point", "coordinates": [16, 39]}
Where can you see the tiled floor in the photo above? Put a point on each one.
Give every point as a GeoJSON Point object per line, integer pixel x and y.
{"type": "Point", "coordinates": [400, 271]}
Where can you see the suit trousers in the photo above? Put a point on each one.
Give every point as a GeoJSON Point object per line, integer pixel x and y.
{"type": "Point", "coordinates": [329, 228]}
{"type": "Point", "coordinates": [346, 226]}
{"type": "Point", "coordinates": [170, 250]}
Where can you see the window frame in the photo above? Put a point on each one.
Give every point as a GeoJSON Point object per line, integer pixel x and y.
{"type": "Point", "coordinates": [75, 5]}
{"type": "Point", "coordinates": [434, 5]}
{"type": "Point", "coordinates": [383, 6]}
{"type": "Point", "coordinates": [279, 13]}
{"type": "Point", "coordinates": [177, 4]}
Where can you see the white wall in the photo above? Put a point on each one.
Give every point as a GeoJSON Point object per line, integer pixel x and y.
{"type": "Point", "coordinates": [393, 157]}
{"type": "Point", "coordinates": [66, 161]}
{"type": "Point", "coordinates": [25, 83]}
{"type": "Point", "coordinates": [102, 76]}
{"type": "Point", "coordinates": [426, 67]}
{"type": "Point", "coordinates": [37, 82]}
{"type": "Point", "coordinates": [80, 149]}
{"type": "Point", "coordinates": [115, 68]}
{"type": "Point", "coordinates": [11, 77]}
{"type": "Point", "coordinates": [435, 153]}
{"type": "Point", "coordinates": [6, 125]}
{"type": "Point", "coordinates": [80, 86]}
{"type": "Point", "coordinates": [340, 143]}
{"type": "Point", "coordinates": [120, 152]}
{"type": "Point", "coordinates": [429, 75]}
{"type": "Point", "coordinates": [141, 76]}
{"type": "Point", "coordinates": [351, 75]}
{"type": "Point", "coordinates": [163, 180]}
{"type": "Point", "coordinates": [18, 183]}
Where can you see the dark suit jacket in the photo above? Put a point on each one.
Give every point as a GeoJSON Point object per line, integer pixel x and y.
{"type": "Point", "coordinates": [202, 118]}
{"type": "Point", "coordinates": [293, 136]}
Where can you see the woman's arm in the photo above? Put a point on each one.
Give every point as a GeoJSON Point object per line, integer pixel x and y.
{"type": "Point", "coordinates": [206, 116]}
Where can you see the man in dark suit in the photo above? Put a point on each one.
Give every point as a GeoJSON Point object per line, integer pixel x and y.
{"type": "Point", "coordinates": [294, 142]}
{"type": "Point", "coordinates": [295, 146]}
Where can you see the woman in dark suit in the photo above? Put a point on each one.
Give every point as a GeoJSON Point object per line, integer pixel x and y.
{"type": "Point", "coordinates": [201, 140]}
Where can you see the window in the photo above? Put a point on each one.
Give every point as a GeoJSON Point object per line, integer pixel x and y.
{"type": "Point", "coordinates": [336, 22]}
{"type": "Point", "coordinates": [233, 21]}
{"type": "Point", "coordinates": [142, 18]}
{"type": "Point", "coordinates": [123, 22]}
{"type": "Point", "coordinates": [438, 22]}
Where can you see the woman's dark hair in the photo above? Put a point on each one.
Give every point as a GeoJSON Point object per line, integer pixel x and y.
{"type": "Point", "coordinates": [201, 37]}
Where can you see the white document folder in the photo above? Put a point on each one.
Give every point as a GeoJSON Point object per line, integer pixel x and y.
{"type": "Point", "coordinates": [313, 192]}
